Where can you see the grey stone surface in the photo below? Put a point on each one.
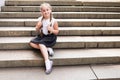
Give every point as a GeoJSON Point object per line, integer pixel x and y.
{"type": "Point", "coordinates": [27, 58]}
{"type": "Point", "coordinates": [110, 31]}
{"type": "Point", "coordinates": [113, 23]}
{"type": "Point", "coordinates": [102, 3]}
{"type": "Point", "coordinates": [63, 15]}
{"type": "Point", "coordinates": [107, 72]}
{"type": "Point", "coordinates": [85, 3]}
{"type": "Point", "coordinates": [37, 73]}
{"type": "Point", "coordinates": [11, 8]}
{"type": "Point", "coordinates": [60, 9]}
{"type": "Point", "coordinates": [37, 3]}
{"type": "Point", "coordinates": [16, 31]}
{"type": "Point", "coordinates": [64, 22]}
{"type": "Point", "coordinates": [64, 31]}
{"type": "Point", "coordinates": [104, 42]}
{"type": "Point", "coordinates": [20, 58]}
{"type": "Point", "coordinates": [63, 42]}
{"type": "Point", "coordinates": [83, 24]}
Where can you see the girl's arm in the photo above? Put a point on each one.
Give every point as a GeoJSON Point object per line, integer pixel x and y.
{"type": "Point", "coordinates": [38, 26]}
{"type": "Point", "coordinates": [55, 29]}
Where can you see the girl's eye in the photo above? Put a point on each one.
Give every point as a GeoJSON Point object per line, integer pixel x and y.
{"type": "Point", "coordinates": [45, 10]}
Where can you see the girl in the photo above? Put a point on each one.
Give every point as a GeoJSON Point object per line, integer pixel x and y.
{"type": "Point", "coordinates": [48, 27]}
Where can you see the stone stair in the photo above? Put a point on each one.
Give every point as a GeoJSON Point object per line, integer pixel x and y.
{"type": "Point", "coordinates": [89, 33]}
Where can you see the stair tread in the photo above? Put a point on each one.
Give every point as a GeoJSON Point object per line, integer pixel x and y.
{"type": "Point", "coordinates": [64, 31]}
{"type": "Point", "coordinates": [54, 6]}
{"type": "Point", "coordinates": [65, 20]}
{"type": "Point", "coordinates": [85, 3]}
{"type": "Point", "coordinates": [60, 13]}
{"type": "Point", "coordinates": [62, 8]}
{"type": "Point", "coordinates": [10, 55]}
{"type": "Point", "coordinates": [63, 15]}
{"type": "Point", "coordinates": [64, 39]}
{"type": "Point", "coordinates": [60, 28]}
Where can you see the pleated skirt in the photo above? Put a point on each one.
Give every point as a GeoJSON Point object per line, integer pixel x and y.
{"type": "Point", "coordinates": [47, 40]}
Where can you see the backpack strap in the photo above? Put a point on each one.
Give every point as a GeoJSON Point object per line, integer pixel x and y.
{"type": "Point", "coordinates": [41, 31]}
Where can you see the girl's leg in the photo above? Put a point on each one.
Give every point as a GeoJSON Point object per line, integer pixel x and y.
{"type": "Point", "coordinates": [48, 63]}
{"type": "Point", "coordinates": [36, 46]}
{"type": "Point", "coordinates": [44, 51]}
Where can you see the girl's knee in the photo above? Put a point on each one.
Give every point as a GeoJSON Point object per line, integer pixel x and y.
{"type": "Point", "coordinates": [42, 46]}
{"type": "Point", "coordinates": [30, 43]}
{"type": "Point", "coordinates": [34, 45]}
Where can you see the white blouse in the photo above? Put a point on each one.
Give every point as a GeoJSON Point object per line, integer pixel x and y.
{"type": "Point", "coordinates": [46, 23]}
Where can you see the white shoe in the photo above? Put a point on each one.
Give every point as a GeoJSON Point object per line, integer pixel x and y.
{"type": "Point", "coordinates": [50, 51]}
{"type": "Point", "coordinates": [49, 67]}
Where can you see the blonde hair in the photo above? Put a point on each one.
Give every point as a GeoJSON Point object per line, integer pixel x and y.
{"type": "Point", "coordinates": [45, 4]}
{"type": "Point", "coordinates": [49, 6]}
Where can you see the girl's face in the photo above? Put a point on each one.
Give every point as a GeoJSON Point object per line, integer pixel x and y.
{"type": "Point", "coordinates": [46, 11]}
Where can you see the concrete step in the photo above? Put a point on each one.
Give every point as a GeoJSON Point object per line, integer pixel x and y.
{"type": "Point", "coordinates": [63, 22]}
{"type": "Point", "coordinates": [64, 42]}
{"type": "Point", "coordinates": [38, 73]}
{"type": "Point", "coordinates": [60, 9]}
{"type": "Point", "coordinates": [62, 3]}
{"type": "Point", "coordinates": [79, 72]}
{"type": "Point", "coordinates": [27, 58]}
{"type": "Point", "coordinates": [63, 15]}
{"type": "Point", "coordinates": [37, 3]}
{"type": "Point", "coordinates": [64, 31]}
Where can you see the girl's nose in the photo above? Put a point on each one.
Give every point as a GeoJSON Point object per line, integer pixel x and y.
{"type": "Point", "coordinates": [45, 11]}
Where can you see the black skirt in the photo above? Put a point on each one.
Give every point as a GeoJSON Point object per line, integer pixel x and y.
{"type": "Point", "coordinates": [47, 40]}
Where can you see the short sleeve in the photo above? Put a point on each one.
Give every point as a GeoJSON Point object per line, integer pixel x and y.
{"type": "Point", "coordinates": [39, 18]}
{"type": "Point", "coordinates": [53, 21]}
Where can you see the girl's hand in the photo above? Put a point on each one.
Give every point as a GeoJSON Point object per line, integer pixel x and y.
{"type": "Point", "coordinates": [54, 29]}
{"type": "Point", "coordinates": [50, 29]}
{"type": "Point", "coordinates": [38, 26]}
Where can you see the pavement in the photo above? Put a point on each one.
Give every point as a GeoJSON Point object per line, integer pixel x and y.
{"type": "Point", "coordinates": [78, 72]}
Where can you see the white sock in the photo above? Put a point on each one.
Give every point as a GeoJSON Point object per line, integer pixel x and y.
{"type": "Point", "coordinates": [47, 64]}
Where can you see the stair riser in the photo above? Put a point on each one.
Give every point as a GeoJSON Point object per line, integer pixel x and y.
{"type": "Point", "coordinates": [37, 3]}
{"type": "Point", "coordinates": [62, 3]}
{"type": "Point", "coordinates": [64, 23]}
{"type": "Point", "coordinates": [21, 63]}
{"type": "Point", "coordinates": [107, 4]}
{"type": "Point", "coordinates": [59, 62]}
{"type": "Point", "coordinates": [63, 33]}
{"type": "Point", "coordinates": [77, 61]}
{"type": "Point", "coordinates": [15, 33]}
{"type": "Point", "coordinates": [65, 45]}
{"type": "Point", "coordinates": [64, 15]}
{"type": "Point", "coordinates": [59, 9]}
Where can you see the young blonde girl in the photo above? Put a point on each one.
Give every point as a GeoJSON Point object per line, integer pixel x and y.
{"type": "Point", "coordinates": [48, 28]}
